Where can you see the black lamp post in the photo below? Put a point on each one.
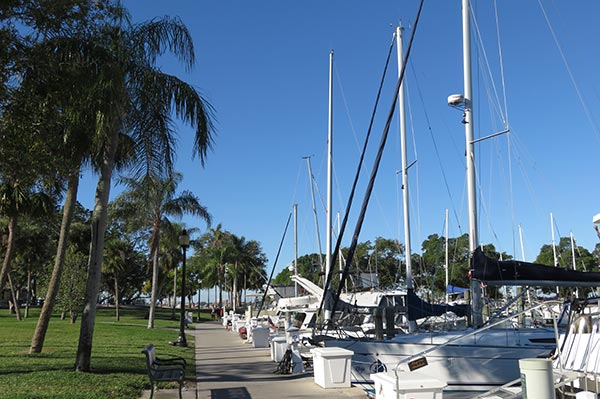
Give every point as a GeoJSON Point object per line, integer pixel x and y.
{"type": "Point", "coordinates": [221, 278]}
{"type": "Point", "coordinates": [184, 242]}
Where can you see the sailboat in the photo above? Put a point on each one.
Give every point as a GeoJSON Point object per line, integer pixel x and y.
{"type": "Point", "coordinates": [472, 359]}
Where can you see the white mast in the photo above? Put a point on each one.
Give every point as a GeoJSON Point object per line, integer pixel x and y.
{"type": "Point", "coordinates": [407, 249]}
{"type": "Point", "coordinates": [554, 246]}
{"type": "Point", "coordinates": [314, 207]}
{"type": "Point", "coordinates": [412, 324]}
{"type": "Point", "coordinates": [476, 304]}
{"type": "Point", "coordinates": [521, 303]}
{"type": "Point", "coordinates": [329, 178]}
{"type": "Point", "coordinates": [573, 251]}
{"type": "Point", "coordinates": [553, 241]}
{"type": "Point", "coordinates": [522, 245]}
{"type": "Point", "coordinates": [447, 263]}
{"type": "Point", "coordinates": [296, 248]}
{"type": "Point", "coordinates": [574, 261]}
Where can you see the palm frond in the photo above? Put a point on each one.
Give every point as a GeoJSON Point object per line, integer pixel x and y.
{"type": "Point", "coordinates": [155, 36]}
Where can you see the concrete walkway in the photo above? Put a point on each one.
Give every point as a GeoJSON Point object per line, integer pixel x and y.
{"type": "Point", "coordinates": [227, 367]}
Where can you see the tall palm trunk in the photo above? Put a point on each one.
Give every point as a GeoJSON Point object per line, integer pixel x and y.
{"type": "Point", "coordinates": [117, 301]}
{"type": "Point", "coordinates": [28, 297]}
{"type": "Point", "coordinates": [99, 221]}
{"type": "Point", "coordinates": [173, 315]}
{"type": "Point", "coordinates": [37, 342]}
{"type": "Point", "coordinates": [153, 297]}
{"type": "Point", "coordinates": [10, 249]}
{"type": "Point", "coordinates": [15, 298]}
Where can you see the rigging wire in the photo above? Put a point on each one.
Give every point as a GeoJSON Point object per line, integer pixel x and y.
{"type": "Point", "coordinates": [414, 163]}
{"type": "Point", "coordinates": [356, 177]}
{"type": "Point", "coordinates": [502, 112]}
{"type": "Point", "coordinates": [485, 209]}
{"type": "Point", "coordinates": [437, 152]}
{"type": "Point", "coordinates": [501, 66]}
{"type": "Point", "coordinates": [559, 257]}
{"type": "Point", "coordinates": [297, 184]}
{"type": "Point", "coordinates": [352, 128]}
{"type": "Point", "coordinates": [507, 124]}
{"type": "Point", "coordinates": [486, 65]}
{"type": "Point", "coordinates": [570, 72]}
{"type": "Point", "coordinates": [375, 168]}
{"type": "Point", "coordinates": [274, 264]}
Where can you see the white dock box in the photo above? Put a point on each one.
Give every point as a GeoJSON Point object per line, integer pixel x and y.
{"type": "Point", "coordinates": [260, 337]}
{"type": "Point", "coordinates": [411, 385]}
{"type": "Point", "coordinates": [278, 347]}
{"type": "Point", "coordinates": [332, 367]}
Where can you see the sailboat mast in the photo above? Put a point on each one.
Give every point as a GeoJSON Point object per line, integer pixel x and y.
{"type": "Point", "coordinates": [329, 169]}
{"type": "Point", "coordinates": [314, 207]}
{"type": "Point", "coordinates": [574, 261]}
{"type": "Point", "coordinates": [476, 304]}
{"type": "Point", "coordinates": [553, 241]}
{"type": "Point", "coordinates": [296, 248]}
{"type": "Point", "coordinates": [522, 245]}
{"type": "Point", "coordinates": [328, 224]}
{"type": "Point", "coordinates": [555, 258]}
{"type": "Point", "coordinates": [447, 263]}
{"type": "Point", "coordinates": [407, 249]}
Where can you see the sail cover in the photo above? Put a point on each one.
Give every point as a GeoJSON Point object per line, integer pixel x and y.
{"type": "Point", "coordinates": [514, 272]}
{"type": "Point", "coordinates": [418, 308]}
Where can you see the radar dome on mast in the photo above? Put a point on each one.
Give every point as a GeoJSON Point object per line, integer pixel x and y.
{"type": "Point", "coordinates": [456, 100]}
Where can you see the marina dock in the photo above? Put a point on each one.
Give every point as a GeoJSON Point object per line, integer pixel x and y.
{"type": "Point", "coordinates": [227, 367]}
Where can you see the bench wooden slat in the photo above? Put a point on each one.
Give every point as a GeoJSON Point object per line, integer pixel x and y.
{"type": "Point", "coordinates": [166, 370]}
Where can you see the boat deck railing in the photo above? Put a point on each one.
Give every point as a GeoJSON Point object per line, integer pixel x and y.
{"type": "Point", "coordinates": [578, 353]}
{"type": "Point", "coordinates": [486, 327]}
{"type": "Point", "coordinates": [549, 304]}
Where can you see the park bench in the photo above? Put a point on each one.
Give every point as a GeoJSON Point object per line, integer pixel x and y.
{"type": "Point", "coordinates": [170, 369]}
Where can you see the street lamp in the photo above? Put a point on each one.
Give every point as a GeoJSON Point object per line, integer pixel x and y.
{"type": "Point", "coordinates": [184, 242]}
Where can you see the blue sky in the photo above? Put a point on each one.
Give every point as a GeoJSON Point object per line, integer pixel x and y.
{"type": "Point", "coordinates": [263, 65]}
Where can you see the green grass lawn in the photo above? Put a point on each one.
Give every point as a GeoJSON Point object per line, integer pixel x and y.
{"type": "Point", "coordinates": [118, 366]}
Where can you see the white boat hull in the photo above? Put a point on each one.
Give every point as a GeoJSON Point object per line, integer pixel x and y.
{"type": "Point", "coordinates": [486, 360]}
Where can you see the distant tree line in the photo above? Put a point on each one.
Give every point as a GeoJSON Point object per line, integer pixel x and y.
{"type": "Point", "coordinates": [386, 258]}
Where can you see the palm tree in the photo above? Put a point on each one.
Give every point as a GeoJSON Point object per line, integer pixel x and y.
{"type": "Point", "coordinates": [245, 261]}
{"type": "Point", "coordinates": [110, 87]}
{"type": "Point", "coordinates": [61, 69]}
{"type": "Point", "coordinates": [16, 201]}
{"type": "Point", "coordinates": [142, 103]}
{"type": "Point", "coordinates": [151, 201]}
{"type": "Point", "coordinates": [170, 256]}
{"type": "Point", "coordinates": [117, 252]}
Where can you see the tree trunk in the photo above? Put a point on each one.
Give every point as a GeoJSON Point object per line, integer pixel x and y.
{"type": "Point", "coordinates": [28, 297]}
{"type": "Point", "coordinates": [14, 298]}
{"type": "Point", "coordinates": [117, 301]}
{"type": "Point", "coordinates": [10, 249]}
{"type": "Point", "coordinates": [173, 315]}
{"type": "Point", "coordinates": [99, 221]}
{"type": "Point", "coordinates": [153, 297]}
{"type": "Point", "coordinates": [37, 342]}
